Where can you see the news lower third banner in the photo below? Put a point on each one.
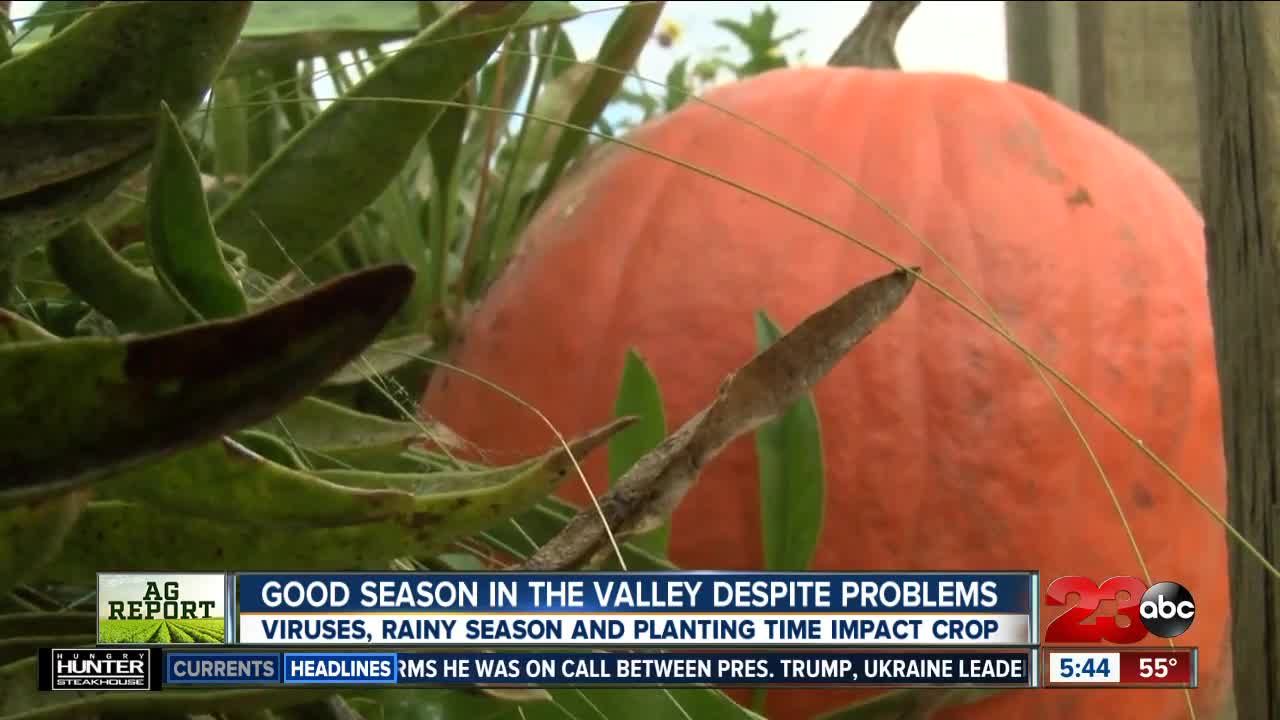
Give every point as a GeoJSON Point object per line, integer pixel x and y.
{"type": "Point", "coordinates": [509, 629]}
{"type": "Point", "coordinates": [599, 609]}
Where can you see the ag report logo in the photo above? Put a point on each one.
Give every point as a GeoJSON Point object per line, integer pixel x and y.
{"type": "Point", "coordinates": [161, 608]}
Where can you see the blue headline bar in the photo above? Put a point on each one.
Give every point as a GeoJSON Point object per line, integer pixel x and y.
{"type": "Point", "coordinates": [1008, 668]}
{"type": "Point", "coordinates": [676, 592]}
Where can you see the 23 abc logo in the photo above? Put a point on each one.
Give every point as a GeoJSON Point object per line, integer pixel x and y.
{"type": "Point", "coordinates": [1166, 609]}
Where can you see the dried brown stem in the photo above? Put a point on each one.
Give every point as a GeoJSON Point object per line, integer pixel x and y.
{"type": "Point", "coordinates": [759, 391]}
{"type": "Point", "coordinates": [871, 43]}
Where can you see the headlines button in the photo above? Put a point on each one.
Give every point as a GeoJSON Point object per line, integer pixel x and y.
{"type": "Point", "coordinates": [224, 668]}
{"type": "Point", "coordinates": [340, 668]}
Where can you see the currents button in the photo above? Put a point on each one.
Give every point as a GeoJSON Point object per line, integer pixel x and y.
{"type": "Point", "coordinates": [223, 668]}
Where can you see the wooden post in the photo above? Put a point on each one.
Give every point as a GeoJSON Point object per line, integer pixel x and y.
{"type": "Point", "coordinates": [1125, 64]}
{"type": "Point", "coordinates": [1236, 49]}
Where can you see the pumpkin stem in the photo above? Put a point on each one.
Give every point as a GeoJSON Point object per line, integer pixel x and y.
{"type": "Point", "coordinates": [870, 45]}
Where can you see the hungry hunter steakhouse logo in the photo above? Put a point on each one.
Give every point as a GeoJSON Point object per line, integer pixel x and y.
{"type": "Point", "coordinates": [96, 669]}
{"type": "Point", "coordinates": [156, 605]}
{"type": "Point", "coordinates": [116, 664]}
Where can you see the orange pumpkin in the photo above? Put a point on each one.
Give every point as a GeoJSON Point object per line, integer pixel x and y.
{"type": "Point", "coordinates": [943, 448]}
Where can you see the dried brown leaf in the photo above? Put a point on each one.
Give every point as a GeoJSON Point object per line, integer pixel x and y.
{"type": "Point", "coordinates": [760, 390]}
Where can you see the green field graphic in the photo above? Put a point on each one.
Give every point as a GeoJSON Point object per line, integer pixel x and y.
{"type": "Point", "coordinates": [122, 632]}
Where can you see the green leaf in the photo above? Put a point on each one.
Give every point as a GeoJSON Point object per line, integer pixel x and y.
{"type": "Point", "coordinates": [28, 220]}
{"type": "Point", "coordinates": [639, 396]}
{"type": "Point", "coordinates": [323, 425]}
{"type": "Point", "coordinates": [444, 143]}
{"type": "Point", "coordinates": [109, 532]}
{"type": "Point", "coordinates": [346, 157]}
{"type": "Point", "coordinates": [123, 58]}
{"type": "Point", "coordinates": [59, 316]}
{"type": "Point", "coordinates": [56, 14]}
{"type": "Point", "coordinates": [229, 119]}
{"type": "Point", "coordinates": [34, 533]}
{"type": "Point", "coordinates": [382, 358]}
{"type": "Point", "coordinates": [647, 103]}
{"type": "Point", "coordinates": [392, 19]}
{"type": "Point", "coordinates": [130, 297]}
{"type": "Point", "coordinates": [385, 459]}
{"type": "Point", "coordinates": [792, 484]}
{"type": "Point", "coordinates": [25, 646]}
{"type": "Point", "coordinates": [533, 150]}
{"type": "Point", "coordinates": [270, 447]}
{"type": "Point", "coordinates": [515, 64]}
{"type": "Point", "coordinates": [184, 250]}
{"type": "Point", "coordinates": [292, 84]}
{"type": "Point", "coordinates": [551, 11]}
{"type": "Point", "coordinates": [286, 32]}
{"type": "Point", "coordinates": [66, 622]}
{"type": "Point", "coordinates": [45, 151]}
{"type": "Point", "coordinates": [677, 84]}
{"type": "Point", "coordinates": [225, 481]}
{"type": "Point", "coordinates": [626, 38]}
{"type": "Point", "coordinates": [557, 102]}
{"type": "Point", "coordinates": [15, 328]}
{"type": "Point", "coordinates": [79, 409]}
{"type": "Point", "coordinates": [562, 54]}
{"type": "Point", "coordinates": [428, 483]}
{"type": "Point", "coordinates": [327, 436]}
{"type": "Point", "coordinates": [8, 285]}
{"type": "Point", "coordinates": [748, 35]}
{"type": "Point", "coordinates": [263, 128]}
{"type": "Point", "coordinates": [401, 239]}
{"type": "Point", "coordinates": [461, 562]}
{"type": "Point", "coordinates": [444, 146]}
{"type": "Point", "coordinates": [429, 11]}
{"type": "Point", "coordinates": [762, 47]}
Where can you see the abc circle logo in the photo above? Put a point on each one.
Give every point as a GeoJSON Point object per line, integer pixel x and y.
{"type": "Point", "coordinates": [1167, 609]}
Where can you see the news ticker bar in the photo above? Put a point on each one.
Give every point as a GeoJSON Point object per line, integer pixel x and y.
{"type": "Point", "coordinates": [159, 668]}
